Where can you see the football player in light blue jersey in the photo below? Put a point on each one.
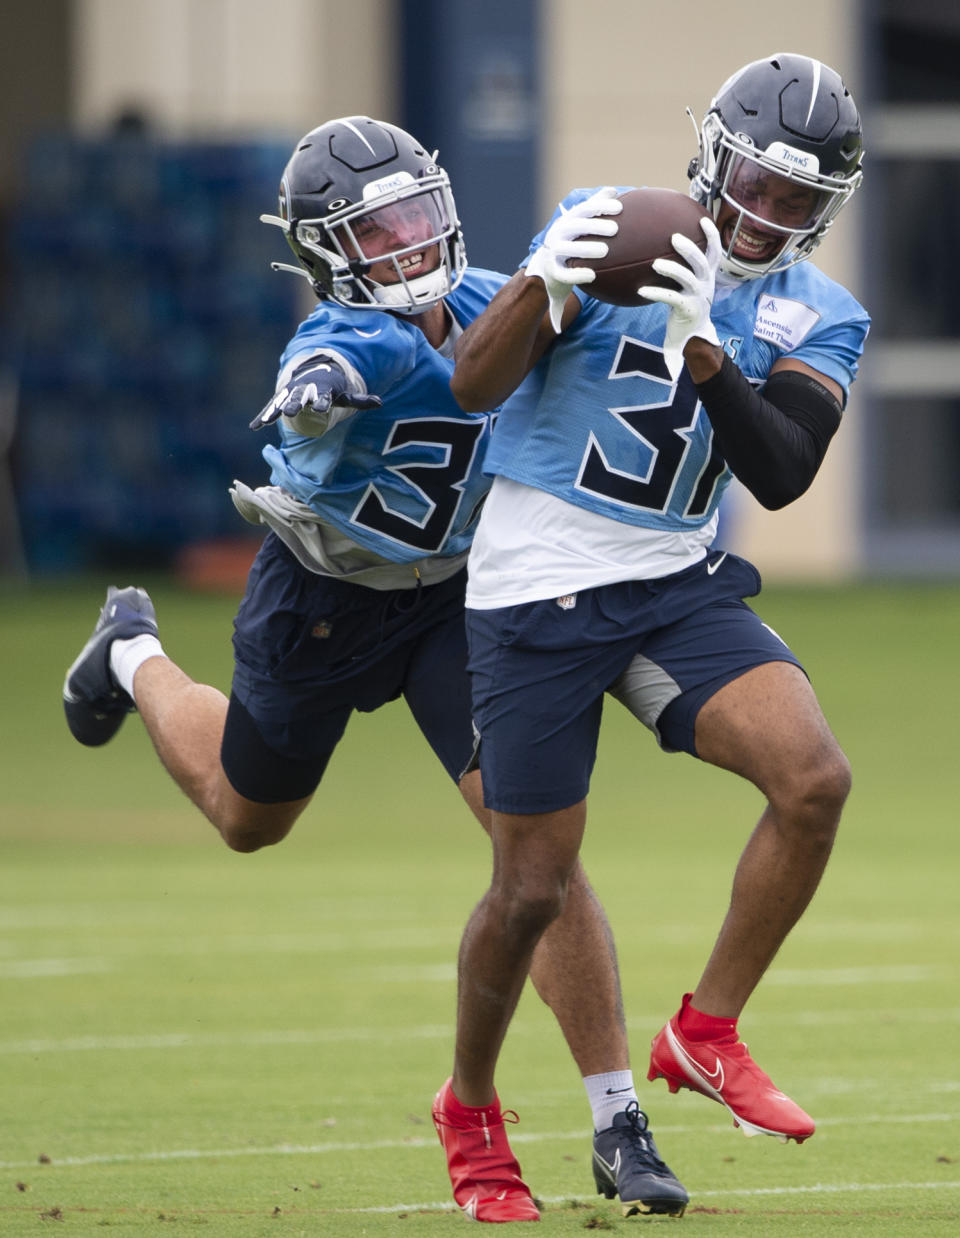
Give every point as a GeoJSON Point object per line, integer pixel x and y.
{"type": "Point", "coordinates": [405, 480]}
{"type": "Point", "coordinates": [357, 594]}
{"type": "Point", "coordinates": [759, 321]}
{"type": "Point", "coordinates": [594, 569]}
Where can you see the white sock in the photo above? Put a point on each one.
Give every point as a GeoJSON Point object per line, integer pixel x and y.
{"type": "Point", "coordinates": [609, 1094]}
{"type": "Point", "coordinates": [127, 656]}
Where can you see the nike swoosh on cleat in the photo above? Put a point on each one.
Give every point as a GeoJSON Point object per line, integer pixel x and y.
{"type": "Point", "coordinates": [714, 1076]}
{"type": "Point", "coordinates": [711, 567]}
{"type": "Point", "coordinates": [612, 1167]}
{"type": "Point", "coordinates": [714, 1079]}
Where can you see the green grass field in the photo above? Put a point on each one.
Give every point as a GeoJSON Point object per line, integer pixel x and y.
{"type": "Point", "coordinates": [248, 1045]}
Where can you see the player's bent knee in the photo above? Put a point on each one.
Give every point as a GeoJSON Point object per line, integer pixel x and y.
{"type": "Point", "coordinates": [256, 826]}
{"type": "Point", "coordinates": [841, 778]}
{"type": "Point", "coordinates": [248, 841]}
{"type": "Point", "coordinates": [813, 800]}
{"type": "Point", "coordinates": [829, 784]}
{"type": "Point", "coordinates": [529, 911]}
{"type": "Point", "coordinates": [531, 917]}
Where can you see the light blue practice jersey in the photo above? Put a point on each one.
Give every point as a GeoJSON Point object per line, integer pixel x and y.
{"type": "Point", "coordinates": [600, 424]}
{"type": "Point", "coordinates": [405, 480]}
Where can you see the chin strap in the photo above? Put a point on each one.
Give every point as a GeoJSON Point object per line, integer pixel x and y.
{"type": "Point", "coordinates": [403, 297]}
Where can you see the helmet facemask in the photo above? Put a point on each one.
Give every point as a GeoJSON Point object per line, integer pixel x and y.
{"type": "Point", "coordinates": [779, 156]}
{"type": "Point", "coordinates": [399, 248]}
{"type": "Point", "coordinates": [780, 191]}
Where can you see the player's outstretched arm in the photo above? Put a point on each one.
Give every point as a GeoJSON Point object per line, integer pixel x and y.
{"type": "Point", "coordinates": [318, 394]}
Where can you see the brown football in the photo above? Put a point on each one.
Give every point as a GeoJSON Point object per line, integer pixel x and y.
{"type": "Point", "coordinates": [648, 220]}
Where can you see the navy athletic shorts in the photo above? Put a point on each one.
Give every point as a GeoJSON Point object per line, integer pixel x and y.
{"type": "Point", "coordinates": [309, 650]}
{"type": "Point", "coordinates": [663, 647]}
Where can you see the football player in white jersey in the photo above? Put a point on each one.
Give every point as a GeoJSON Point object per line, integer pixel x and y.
{"type": "Point", "coordinates": [356, 596]}
{"type": "Point", "coordinates": [594, 567]}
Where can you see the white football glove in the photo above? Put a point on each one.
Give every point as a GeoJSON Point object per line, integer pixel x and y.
{"type": "Point", "coordinates": [565, 239]}
{"type": "Point", "coordinates": [690, 307]}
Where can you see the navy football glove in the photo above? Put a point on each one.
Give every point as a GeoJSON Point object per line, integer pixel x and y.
{"type": "Point", "coordinates": [314, 397]}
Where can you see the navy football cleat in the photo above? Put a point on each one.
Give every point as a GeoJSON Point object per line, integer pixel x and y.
{"type": "Point", "coordinates": [93, 701]}
{"type": "Point", "coordinates": [626, 1163]}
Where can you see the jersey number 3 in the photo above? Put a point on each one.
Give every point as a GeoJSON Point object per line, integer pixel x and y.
{"type": "Point", "coordinates": [433, 487]}
{"type": "Point", "coordinates": [667, 429]}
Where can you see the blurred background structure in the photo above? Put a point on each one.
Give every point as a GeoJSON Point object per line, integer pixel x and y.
{"type": "Point", "coordinates": [141, 323]}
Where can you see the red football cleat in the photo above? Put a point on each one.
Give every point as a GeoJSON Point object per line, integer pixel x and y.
{"type": "Point", "coordinates": [484, 1172]}
{"type": "Point", "coordinates": [724, 1070]}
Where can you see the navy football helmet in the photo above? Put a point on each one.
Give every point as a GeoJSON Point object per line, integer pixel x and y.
{"type": "Point", "coordinates": [370, 217]}
{"type": "Point", "coordinates": [786, 116]}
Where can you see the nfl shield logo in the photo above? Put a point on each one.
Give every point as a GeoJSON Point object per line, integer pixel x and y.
{"type": "Point", "coordinates": [322, 629]}
{"type": "Point", "coordinates": [567, 602]}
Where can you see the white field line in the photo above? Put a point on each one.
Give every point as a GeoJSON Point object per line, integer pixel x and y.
{"type": "Point", "coordinates": [819, 1188]}
{"type": "Point", "coordinates": [34, 969]}
{"type": "Point", "coordinates": [23, 967]}
{"type": "Point", "coordinates": [190, 1040]}
{"type": "Point", "coordinates": [155, 916]}
{"type": "Point", "coordinates": [336, 1035]}
{"type": "Point", "coordinates": [844, 1017]}
{"type": "Point", "coordinates": [416, 1142]}
{"type": "Point", "coordinates": [335, 941]}
{"type": "Point", "coordinates": [904, 974]}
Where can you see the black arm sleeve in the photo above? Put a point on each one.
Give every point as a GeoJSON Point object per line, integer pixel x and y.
{"type": "Point", "coordinates": [774, 440]}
